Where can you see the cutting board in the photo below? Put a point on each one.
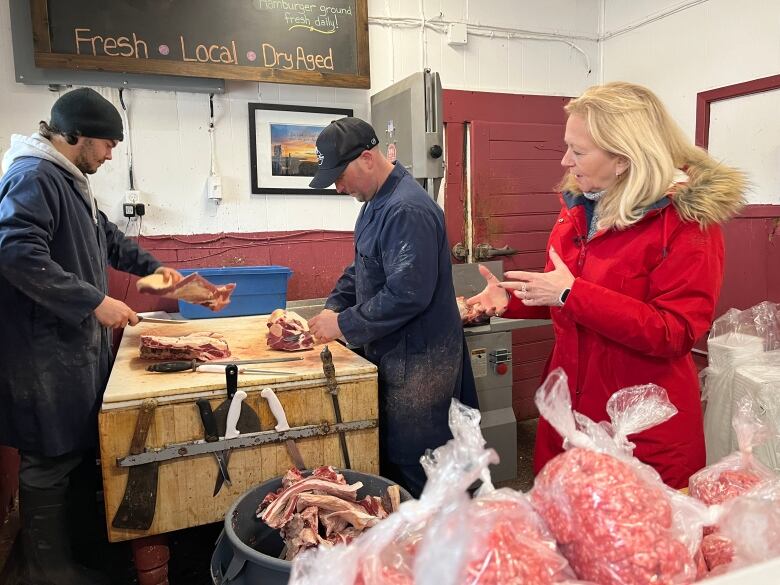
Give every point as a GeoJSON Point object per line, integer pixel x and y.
{"type": "Point", "coordinates": [246, 338]}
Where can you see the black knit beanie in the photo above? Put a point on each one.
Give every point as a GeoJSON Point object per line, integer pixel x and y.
{"type": "Point", "coordinates": [84, 112]}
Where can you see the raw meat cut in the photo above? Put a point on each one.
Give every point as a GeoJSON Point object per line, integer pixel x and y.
{"type": "Point", "coordinates": [613, 526]}
{"type": "Point", "coordinates": [471, 315]}
{"type": "Point", "coordinates": [324, 499]}
{"type": "Point", "coordinates": [288, 331]}
{"type": "Point", "coordinates": [203, 346]}
{"type": "Point", "coordinates": [193, 288]}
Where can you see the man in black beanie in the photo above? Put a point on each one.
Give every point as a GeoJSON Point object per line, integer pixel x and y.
{"type": "Point", "coordinates": [55, 329]}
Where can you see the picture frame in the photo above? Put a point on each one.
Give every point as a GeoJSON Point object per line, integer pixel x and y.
{"type": "Point", "coordinates": [281, 147]}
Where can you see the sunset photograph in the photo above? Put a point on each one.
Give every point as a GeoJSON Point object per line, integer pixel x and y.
{"type": "Point", "coordinates": [292, 150]}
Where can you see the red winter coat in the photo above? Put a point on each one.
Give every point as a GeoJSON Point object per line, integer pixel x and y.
{"type": "Point", "coordinates": [642, 297]}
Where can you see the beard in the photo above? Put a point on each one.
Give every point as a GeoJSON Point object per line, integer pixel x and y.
{"type": "Point", "coordinates": [84, 164]}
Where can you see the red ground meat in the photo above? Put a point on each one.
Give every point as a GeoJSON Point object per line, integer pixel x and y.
{"type": "Point", "coordinates": [516, 550]}
{"type": "Point", "coordinates": [614, 527]}
{"type": "Point", "coordinates": [716, 488]}
{"type": "Point", "coordinates": [717, 550]}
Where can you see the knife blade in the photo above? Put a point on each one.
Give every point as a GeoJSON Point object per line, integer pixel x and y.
{"type": "Point", "coordinates": [163, 321]}
{"type": "Point", "coordinates": [212, 369]}
{"type": "Point", "coordinates": [231, 432]}
{"type": "Point", "coordinates": [192, 365]}
{"type": "Point", "coordinates": [282, 425]}
{"type": "Point", "coordinates": [211, 436]}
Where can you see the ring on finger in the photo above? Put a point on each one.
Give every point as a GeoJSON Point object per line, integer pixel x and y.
{"type": "Point", "coordinates": [523, 287]}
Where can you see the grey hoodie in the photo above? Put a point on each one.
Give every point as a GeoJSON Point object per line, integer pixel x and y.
{"type": "Point", "coordinates": [39, 147]}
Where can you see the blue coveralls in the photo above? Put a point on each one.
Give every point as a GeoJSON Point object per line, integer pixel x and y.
{"type": "Point", "coordinates": [397, 301]}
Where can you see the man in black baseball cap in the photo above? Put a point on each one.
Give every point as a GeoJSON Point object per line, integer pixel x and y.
{"type": "Point", "coordinates": [338, 145]}
{"type": "Point", "coordinates": [396, 300]}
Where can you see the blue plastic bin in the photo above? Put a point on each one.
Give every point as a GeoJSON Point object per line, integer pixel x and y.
{"type": "Point", "coordinates": [259, 290]}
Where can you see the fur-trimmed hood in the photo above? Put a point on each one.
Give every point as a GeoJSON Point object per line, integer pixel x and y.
{"type": "Point", "coordinates": [714, 193]}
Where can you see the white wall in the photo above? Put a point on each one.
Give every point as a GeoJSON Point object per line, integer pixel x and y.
{"type": "Point", "coordinates": [169, 130]}
{"type": "Point", "coordinates": [548, 64]}
{"type": "Point", "coordinates": [695, 46]}
{"type": "Point", "coordinates": [710, 44]}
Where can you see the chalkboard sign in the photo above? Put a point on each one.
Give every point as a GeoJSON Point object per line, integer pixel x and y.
{"type": "Point", "coordinates": [283, 41]}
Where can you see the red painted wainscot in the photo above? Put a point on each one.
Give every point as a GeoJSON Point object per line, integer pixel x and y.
{"type": "Point", "coordinates": [316, 257]}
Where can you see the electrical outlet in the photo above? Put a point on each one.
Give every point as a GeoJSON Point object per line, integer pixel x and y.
{"type": "Point", "coordinates": [132, 196]}
{"type": "Point", "coordinates": [214, 188]}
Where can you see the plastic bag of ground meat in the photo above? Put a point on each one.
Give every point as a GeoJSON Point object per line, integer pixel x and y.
{"type": "Point", "coordinates": [496, 538]}
{"type": "Point", "coordinates": [737, 473]}
{"type": "Point", "coordinates": [386, 554]}
{"type": "Point", "coordinates": [748, 530]}
{"type": "Point", "coordinates": [729, 478]}
{"type": "Point", "coordinates": [614, 519]}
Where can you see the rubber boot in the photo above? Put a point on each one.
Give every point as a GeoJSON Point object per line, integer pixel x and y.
{"type": "Point", "coordinates": [46, 543]}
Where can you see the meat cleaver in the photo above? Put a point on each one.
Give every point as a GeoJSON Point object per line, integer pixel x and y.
{"type": "Point", "coordinates": [136, 511]}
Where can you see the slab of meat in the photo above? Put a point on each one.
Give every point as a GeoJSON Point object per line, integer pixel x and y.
{"type": "Point", "coordinates": [203, 346]}
{"type": "Point", "coordinates": [288, 331]}
{"type": "Point", "coordinates": [193, 288]}
{"type": "Point", "coordinates": [614, 527]}
{"type": "Point", "coordinates": [321, 509]}
{"type": "Point", "coordinates": [471, 315]}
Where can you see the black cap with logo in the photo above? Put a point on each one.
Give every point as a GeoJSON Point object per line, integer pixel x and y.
{"type": "Point", "coordinates": [338, 145]}
{"type": "Point", "coordinates": [84, 112]}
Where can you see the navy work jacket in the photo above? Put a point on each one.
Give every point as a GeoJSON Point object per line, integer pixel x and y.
{"type": "Point", "coordinates": [55, 356]}
{"type": "Point", "coordinates": [397, 301]}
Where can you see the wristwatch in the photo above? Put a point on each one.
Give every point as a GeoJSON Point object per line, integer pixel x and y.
{"type": "Point", "coordinates": [564, 295]}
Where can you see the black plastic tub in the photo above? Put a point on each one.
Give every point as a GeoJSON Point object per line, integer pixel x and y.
{"type": "Point", "coordinates": [247, 551]}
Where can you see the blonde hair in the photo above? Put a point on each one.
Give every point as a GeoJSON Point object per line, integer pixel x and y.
{"type": "Point", "coordinates": [629, 121]}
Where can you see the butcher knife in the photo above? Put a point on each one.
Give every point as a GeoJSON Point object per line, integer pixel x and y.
{"type": "Point", "coordinates": [247, 369]}
{"type": "Point", "coordinates": [211, 436]}
{"type": "Point", "coordinates": [192, 365]}
{"type": "Point", "coordinates": [333, 389]}
{"type": "Point", "coordinates": [162, 321]}
{"type": "Point", "coordinates": [136, 511]}
{"type": "Point", "coordinates": [248, 422]}
{"type": "Point", "coordinates": [234, 415]}
{"type": "Point", "coordinates": [282, 425]}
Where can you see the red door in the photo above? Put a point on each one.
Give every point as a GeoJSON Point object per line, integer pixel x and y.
{"type": "Point", "coordinates": [516, 144]}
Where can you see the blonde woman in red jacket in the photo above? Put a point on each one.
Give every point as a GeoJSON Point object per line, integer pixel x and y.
{"type": "Point", "coordinates": [634, 268]}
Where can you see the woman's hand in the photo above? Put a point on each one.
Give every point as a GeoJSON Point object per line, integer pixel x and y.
{"type": "Point", "coordinates": [170, 275]}
{"type": "Point", "coordinates": [493, 300]}
{"type": "Point", "coordinates": [538, 289]}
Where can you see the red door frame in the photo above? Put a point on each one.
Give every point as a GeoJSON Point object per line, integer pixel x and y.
{"type": "Point", "coordinates": [704, 101]}
{"type": "Point", "coordinates": [751, 236]}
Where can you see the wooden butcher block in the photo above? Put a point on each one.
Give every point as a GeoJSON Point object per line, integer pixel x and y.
{"type": "Point", "coordinates": [185, 485]}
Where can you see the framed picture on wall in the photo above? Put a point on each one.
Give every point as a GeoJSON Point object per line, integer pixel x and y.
{"type": "Point", "coordinates": [282, 146]}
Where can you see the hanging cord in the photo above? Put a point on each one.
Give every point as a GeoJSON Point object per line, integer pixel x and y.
{"type": "Point", "coordinates": [211, 132]}
{"type": "Point", "coordinates": [126, 115]}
